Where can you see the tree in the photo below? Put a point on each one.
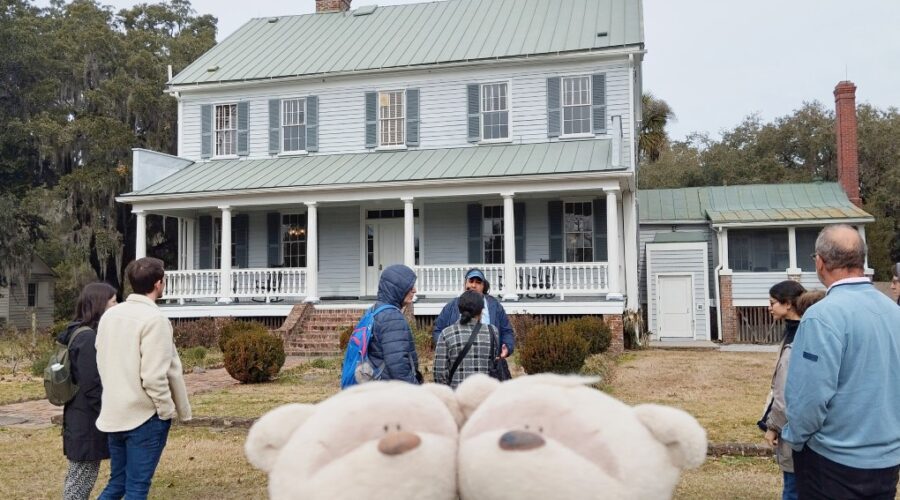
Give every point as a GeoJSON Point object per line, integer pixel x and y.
{"type": "Point", "coordinates": [655, 115]}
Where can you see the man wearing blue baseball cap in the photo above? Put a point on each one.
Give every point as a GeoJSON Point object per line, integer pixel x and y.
{"type": "Point", "coordinates": [493, 313]}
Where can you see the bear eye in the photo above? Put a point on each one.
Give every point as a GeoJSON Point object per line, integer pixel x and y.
{"type": "Point", "coordinates": [398, 427]}
{"type": "Point", "coordinates": [386, 428]}
{"type": "Point", "coordinates": [541, 430]}
{"type": "Point", "coordinates": [527, 427]}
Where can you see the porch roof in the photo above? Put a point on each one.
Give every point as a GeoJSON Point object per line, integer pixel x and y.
{"type": "Point", "coordinates": [759, 203]}
{"type": "Point", "coordinates": [387, 166]}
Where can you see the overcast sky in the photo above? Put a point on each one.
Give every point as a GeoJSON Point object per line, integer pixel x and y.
{"type": "Point", "coordinates": [717, 61]}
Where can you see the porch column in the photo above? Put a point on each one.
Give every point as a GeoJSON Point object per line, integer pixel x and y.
{"type": "Point", "coordinates": [510, 291]}
{"type": "Point", "coordinates": [632, 250]}
{"type": "Point", "coordinates": [312, 252]}
{"type": "Point", "coordinates": [612, 243]}
{"type": "Point", "coordinates": [409, 233]}
{"type": "Point", "coordinates": [792, 270]}
{"type": "Point", "coordinates": [225, 257]}
{"type": "Point", "coordinates": [140, 244]}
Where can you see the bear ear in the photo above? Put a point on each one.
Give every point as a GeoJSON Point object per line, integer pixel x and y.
{"type": "Point", "coordinates": [473, 391]}
{"type": "Point", "coordinates": [445, 394]}
{"type": "Point", "coordinates": [679, 431]}
{"type": "Point", "coordinates": [268, 434]}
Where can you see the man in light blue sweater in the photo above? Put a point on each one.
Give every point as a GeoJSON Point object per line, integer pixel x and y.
{"type": "Point", "coordinates": [843, 384]}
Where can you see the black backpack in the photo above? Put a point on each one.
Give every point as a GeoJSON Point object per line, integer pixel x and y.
{"type": "Point", "coordinates": [58, 383]}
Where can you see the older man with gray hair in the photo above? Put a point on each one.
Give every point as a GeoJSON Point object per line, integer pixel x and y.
{"type": "Point", "coordinates": [843, 384]}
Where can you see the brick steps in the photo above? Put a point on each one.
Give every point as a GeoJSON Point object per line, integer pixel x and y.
{"type": "Point", "coordinates": [316, 333]}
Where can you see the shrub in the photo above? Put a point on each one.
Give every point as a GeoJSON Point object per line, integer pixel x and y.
{"type": "Point", "coordinates": [345, 337]}
{"type": "Point", "coordinates": [192, 356]}
{"type": "Point", "coordinates": [56, 328]}
{"type": "Point", "coordinates": [553, 349]}
{"type": "Point", "coordinates": [254, 356]}
{"type": "Point", "coordinates": [424, 342]}
{"type": "Point", "coordinates": [522, 324]}
{"type": "Point", "coordinates": [39, 362]}
{"type": "Point", "coordinates": [198, 333]}
{"type": "Point", "coordinates": [600, 365]}
{"type": "Point", "coordinates": [592, 329]}
{"type": "Point", "coordinates": [231, 328]}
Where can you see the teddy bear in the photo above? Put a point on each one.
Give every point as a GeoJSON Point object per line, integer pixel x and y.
{"type": "Point", "coordinates": [376, 440]}
{"type": "Point", "coordinates": [551, 436]}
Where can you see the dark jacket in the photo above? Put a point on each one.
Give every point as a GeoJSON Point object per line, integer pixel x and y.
{"type": "Point", "coordinates": [82, 441]}
{"type": "Point", "coordinates": [392, 349]}
{"type": "Point", "coordinates": [450, 315]}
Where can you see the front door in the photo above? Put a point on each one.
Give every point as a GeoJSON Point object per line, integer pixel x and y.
{"type": "Point", "coordinates": [676, 298]}
{"type": "Point", "coordinates": [384, 247]}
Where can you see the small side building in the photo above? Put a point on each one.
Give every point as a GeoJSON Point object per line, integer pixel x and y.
{"type": "Point", "coordinates": [19, 301]}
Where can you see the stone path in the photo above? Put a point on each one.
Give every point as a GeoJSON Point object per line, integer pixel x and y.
{"type": "Point", "coordinates": [39, 414]}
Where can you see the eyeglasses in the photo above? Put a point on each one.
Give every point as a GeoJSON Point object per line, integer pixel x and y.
{"type": "Point", "coordinates": [813, 256]}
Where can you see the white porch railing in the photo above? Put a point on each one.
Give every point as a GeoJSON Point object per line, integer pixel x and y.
{"type": "Point", "coordinates": [448, 280]}
{"type": "Point", "coordinates": [192, 284]}
{"type": "Point", "coordinates": [582, 278]}
{"type": "Point", "coordinates": [269, 283]}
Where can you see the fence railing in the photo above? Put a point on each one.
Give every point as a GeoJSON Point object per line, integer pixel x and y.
{"type": "Point", "coordinates": [270, 283]}
{"type": "Point", "coordinates": [448, 280]}
{"type": "Point", "coordinates": [192, 284]}
{"type": "Point", "coordinates": [532, 280]}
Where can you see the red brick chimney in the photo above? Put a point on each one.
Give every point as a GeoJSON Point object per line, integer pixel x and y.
{"type": "Point", "coordinates": [845, 125]}
{"type": "Point", "coordinates": [332, 5]}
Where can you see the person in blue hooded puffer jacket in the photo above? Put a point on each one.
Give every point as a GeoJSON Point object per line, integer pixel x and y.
{"type": "Point", "coordinates": [392, 349]}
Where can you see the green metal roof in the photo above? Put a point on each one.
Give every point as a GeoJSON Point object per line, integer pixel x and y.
{"type": "Point", "coordinates": [680, 237]}
{"type": "Point", "coordinates": [414, 35]}
{"type": "Point", "coordinates": [388, 166]}
{"type": "Point", "coordinates": [749, 204]}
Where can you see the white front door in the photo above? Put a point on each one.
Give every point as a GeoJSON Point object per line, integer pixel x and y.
{"type": "Point", "coordinates": [384, 247]}
{"type": "Point", "coordinates": [675, 304]}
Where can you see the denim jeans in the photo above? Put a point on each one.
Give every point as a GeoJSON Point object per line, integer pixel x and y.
{"type": "Point", "coordinates": [790, 486]}
{"type": "Point", "coordinates": [134, 456]}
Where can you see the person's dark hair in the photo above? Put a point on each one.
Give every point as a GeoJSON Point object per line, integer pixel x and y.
{"type": "Point", "coordinates": [895, 270]}
{"type": "Point", "coordinates": [144, 273]}
{"type": "Point", "coordinates": [487, 284]}
{"type": "Point", "coordinates": [92, 303]}
{"type": "Point", "coordinates": [787, 292]}
{"type": "Point", "coordinates": [470, 305]}
{"type": "Point", "coordinates": [808, 299]}
{"type": "Point", "coordinates": [837, 254]}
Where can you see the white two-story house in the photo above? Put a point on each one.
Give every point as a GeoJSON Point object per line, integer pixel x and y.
{"type": "Point", "coordinates": [315, 150]}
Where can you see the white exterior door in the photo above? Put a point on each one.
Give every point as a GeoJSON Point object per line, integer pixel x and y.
{"type": "Point", "coordinates": [676, 299]}
{"type": "Point", "coordinates": [387, 249]}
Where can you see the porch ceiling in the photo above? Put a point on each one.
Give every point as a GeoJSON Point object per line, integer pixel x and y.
{"type": "Point", "coordinates": [388, 166]}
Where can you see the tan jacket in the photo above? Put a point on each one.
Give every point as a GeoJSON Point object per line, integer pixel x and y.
{"type": "Point", "coordinates": [139, 367]}
{"type": "Point", "coordinates": [778, 414]}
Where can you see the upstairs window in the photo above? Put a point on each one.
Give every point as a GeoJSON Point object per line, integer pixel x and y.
{"type": "Point", "coordinates": [293, 122]}
{"type": "Point", "coordinates": [576, 107]}
{"type": "Point", "coordinates": [226, 129]}
{"type": "Point", "coordinates": [492, 234]}
{"type": "Point", "coordinates": [578, 223]}
{"type": "Point", "coordinates": [391, 118]}
{"type": "Point", "coordinates": [494, 111]}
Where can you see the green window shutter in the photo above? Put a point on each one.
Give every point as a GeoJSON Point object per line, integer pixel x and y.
{"type": "Point", "coordinates": [473, 91]}
{"type": "Point", "coordinates": [205, 227]}
{"type": "Point", "coordinates": [241, 233]}
{"type": "Point", "coordinates": [206, 139]}
{"type": "Point", "coordinates": [412, 117]}
{"type": "Point", "coordinates": [476, 249]}
{"type": "Point", "coordinates": [554, 112]}
{"type": "Point", "coordinates": [273, 224]}
{"type": "Point", "coordinates": [371, 119]}
{"type": "Point", "coordinates": [312, 124]}
{"type": "Point", "coordinates": [519, 215]}
{"type": "Point", "coordinates": [274, 126]}
{"type": "Point", "coordinates": [555, 225]}
{"type": "Point", "coordinates": [600, 231]}
{"type": "Point", "coordinates": [598, 91]}
{"type": "Point", "coordinates": [243, 119]}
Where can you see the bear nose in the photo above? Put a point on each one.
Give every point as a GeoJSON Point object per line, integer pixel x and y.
{"type": "Point", "coordinates": [520, 441]}
{"type": "Point", "coordinates": [397, 443]}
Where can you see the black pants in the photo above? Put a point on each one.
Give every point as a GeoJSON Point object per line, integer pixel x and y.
{"type": "Point", "coordinates": [820, 478]}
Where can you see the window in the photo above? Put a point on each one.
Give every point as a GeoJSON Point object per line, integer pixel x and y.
{"type": "Point", "coordinates": [492, 234]}
{"type": "Point", "coordinates": [293, 119]}
{"type": "Point", "coordinates": [758, 250]}
{"type": "Point", "coordinates": [391, 119]}
{"type": "Point", "coordinates": [578, 223]}
{"type": "Point", "coordinates": [806, 246]}
{"type": "Point", "coordinates": [217, 245]}
{"type": "Point", "coordinates": [32, 294]}
{"type": "Point", "coordinates": [576, 105]}
{"type": "Point", "coordinates": [226, 129]}
{"type": "Point", "coordinates": [494, 112]}
{"type": "Point", "coordinates": [293, 240]}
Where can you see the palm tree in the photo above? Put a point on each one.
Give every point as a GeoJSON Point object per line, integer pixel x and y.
{"type": "Point", "coordinates": [653, 138]}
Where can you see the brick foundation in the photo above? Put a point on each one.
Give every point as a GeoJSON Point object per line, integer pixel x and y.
{"type": "Point", "coordinates": [617, 327]}
{"type": "Point", "coordinates": [332, 5]}
{"type": "Point", "coordinates": [729, 333]}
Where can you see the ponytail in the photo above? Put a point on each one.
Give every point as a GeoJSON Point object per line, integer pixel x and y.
{"type": "Point", "coordinates": [470, 305]}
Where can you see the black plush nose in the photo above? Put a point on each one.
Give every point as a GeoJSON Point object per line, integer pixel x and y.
{"type": "Point", "coordinates": [520, 441]}
{"type": "Point", "coordinates": [398, 443]}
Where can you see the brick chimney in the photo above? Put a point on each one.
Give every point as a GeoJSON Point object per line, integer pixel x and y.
{"type": "Point", "coordinates": [332, 5]}
{"type": "Point", "coordinates": [845, 125]}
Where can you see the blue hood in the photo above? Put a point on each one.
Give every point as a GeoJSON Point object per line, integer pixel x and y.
{"type": "Point", "coordinates": [396, 281]}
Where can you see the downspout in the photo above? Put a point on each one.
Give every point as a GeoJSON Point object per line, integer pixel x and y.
{"type": "Point", "coordinates": [716, 283]}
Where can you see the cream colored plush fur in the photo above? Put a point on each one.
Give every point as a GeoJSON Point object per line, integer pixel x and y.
{"type": "Point", "coordinates": [569, 441]}
{"type": "Point", "coordinates": [377, 440]}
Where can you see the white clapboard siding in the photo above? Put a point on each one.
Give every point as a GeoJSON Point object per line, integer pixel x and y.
{"type": "Point", "coordinates": [339, 255]}
{"type": "Point", "coordinates": [649, 231]}
{"type": "Point", "coordinates": [258, 246]}
{"type": "Point", "coordinates": [20, 313]}
{"type": "Point", "coordinates": [537, 231]}
{"type": "Point", "coordinates": [4, 305]}
{"type": "Point", "coordinates": [679, 261]}
{"type": "Point", "coordinates": [754, 286]}
{"type": "Point", "coordinates": [446, 233]}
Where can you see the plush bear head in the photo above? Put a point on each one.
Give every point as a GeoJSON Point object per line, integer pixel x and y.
{"type": "Point", "coordinates": [372, 440]}
{"type": "Point", "coordinates": [550, 436]}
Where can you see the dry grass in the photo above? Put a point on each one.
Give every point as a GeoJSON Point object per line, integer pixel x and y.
{"type": "Point", "coordinates": [20, 387]}
{"type": "Point", "coordinates": [725, 391]}
{"type": "Point", "coordinates": [732, 478]}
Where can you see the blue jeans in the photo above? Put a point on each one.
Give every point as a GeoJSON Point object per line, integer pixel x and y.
{"type": "Point", "coordinates": [790, 487]}
{"type": "Point", "coordinates": [134, 456]}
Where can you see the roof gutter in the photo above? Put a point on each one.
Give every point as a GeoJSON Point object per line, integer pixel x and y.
{"type": "Point", "coordinates": [804, 222]}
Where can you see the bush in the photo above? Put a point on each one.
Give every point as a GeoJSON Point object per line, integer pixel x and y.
{"type": "Point", "coordinates": [553, 349]}
{"type": "Point", "coordinates": [345, 337]}
{"type": "Point", "coordinates": [254, 356]}
{"type": "Point", "coordinates": [231, 329]}
{"type": "Point", "coordinates": [39, 363]}
{"type": "Point", "coordinates": [198, 333]}
{"type": "Point", "coordinates": [56, 328]}
{"type": "Point", "coordinates": [424, 342]}
{"type": "Point", "coordinates": [592, 329]}
{"type": "Point", "coordinates": [522, 324]}
{"type": "Point", "coordinates": [600, 365]}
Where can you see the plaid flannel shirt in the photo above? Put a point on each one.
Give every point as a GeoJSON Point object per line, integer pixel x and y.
{"type": "Point", "coordinates": [451, 343]}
